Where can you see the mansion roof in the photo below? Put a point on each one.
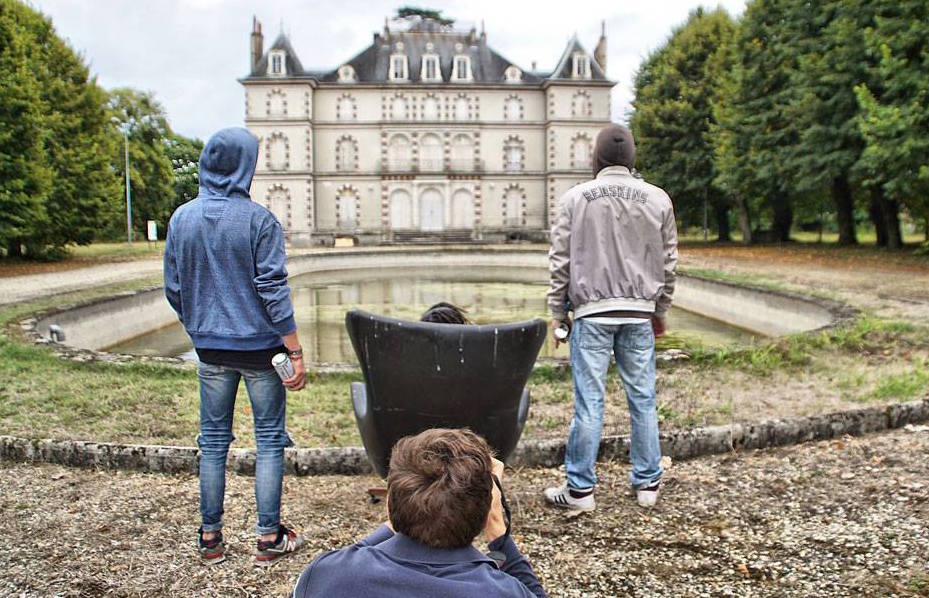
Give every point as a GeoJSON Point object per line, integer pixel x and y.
{"type": "Point", "coordinates": [425, 37]}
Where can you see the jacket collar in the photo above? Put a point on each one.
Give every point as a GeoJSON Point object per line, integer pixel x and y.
{"type": "Point", "coordinates": [404, 548]}
{"type": "Point", "coordinates": [613, 170]}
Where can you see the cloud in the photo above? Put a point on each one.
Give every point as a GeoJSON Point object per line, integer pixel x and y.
{"type": "Point", "coordinates": [191, 52]}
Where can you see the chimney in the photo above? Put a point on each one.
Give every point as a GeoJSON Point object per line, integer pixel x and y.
{"type": "Point", "coordinates": [534, 65]}
{"type": "Point", "coordinates": [483, 32]}
{"type": "Point", "coordinates": [600, 52]}
{"type": "Point", "coordinates": [257, 43]}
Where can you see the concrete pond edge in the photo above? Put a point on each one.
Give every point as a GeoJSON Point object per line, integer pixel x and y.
{"type": "Point", "coordinates": [678, 444]}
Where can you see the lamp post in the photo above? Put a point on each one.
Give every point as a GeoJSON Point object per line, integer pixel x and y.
{"type": "Point", "coordinates": [124, 128]}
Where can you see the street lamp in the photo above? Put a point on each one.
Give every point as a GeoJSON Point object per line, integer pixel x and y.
{"type": "Point", "coordinates": [124, 128]}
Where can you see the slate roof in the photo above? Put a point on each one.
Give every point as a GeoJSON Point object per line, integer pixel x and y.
{"type": "Point", "coordinates": [373, 63]}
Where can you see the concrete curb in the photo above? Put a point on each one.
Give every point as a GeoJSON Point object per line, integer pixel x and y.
{"type": "Point", "coordinates": [682, 444]}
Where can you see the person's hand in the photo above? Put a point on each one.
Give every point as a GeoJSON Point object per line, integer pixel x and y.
{"type": "Point", "coordinates": [659, 326]}
{"type": "Point", "coordinates": [557, 324]}
{"type": "Point", "coordinates": [298, 380]}
{"type": "Point", "coordinates": [496, 520]}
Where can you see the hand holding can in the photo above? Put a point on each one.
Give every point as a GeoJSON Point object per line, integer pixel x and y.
{"type": "Point", "coordinates": [283, 366]}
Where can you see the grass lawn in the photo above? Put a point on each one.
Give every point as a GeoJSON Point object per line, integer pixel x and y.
{"type": "Point", "coordinates": [81, 256]}
{"type": "Point", "coordinates": [868, 362]}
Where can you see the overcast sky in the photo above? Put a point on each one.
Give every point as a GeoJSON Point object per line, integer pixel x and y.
{"type": "Point", "coordinates": [191, 52]}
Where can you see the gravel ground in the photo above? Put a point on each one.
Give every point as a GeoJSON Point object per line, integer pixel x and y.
{"type": "Point", "coordinates": [840, 518]}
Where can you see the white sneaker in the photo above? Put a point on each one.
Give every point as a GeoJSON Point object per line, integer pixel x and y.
{"type": "Point", "coordinates": [560, 496]}
{"type": "Point", "coordinates": [647, 497]}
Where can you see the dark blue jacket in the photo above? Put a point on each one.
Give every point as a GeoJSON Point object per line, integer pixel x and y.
{"type": "Point", "coordinates": [388, 565]}
{"type": "Point", "coordinates": [224, 255]}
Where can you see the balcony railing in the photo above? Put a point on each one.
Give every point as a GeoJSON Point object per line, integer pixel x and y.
{"type": "Point", "coordinates": [431, 165]}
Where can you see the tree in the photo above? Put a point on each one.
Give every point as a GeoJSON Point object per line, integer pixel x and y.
{"type": "Point", "coordinates": [57, 185]}
{"type": "Point", "coordinates": [150, 169]}
{"type": "Point", "coordinates": [894, 113]}
{"type": "Point", "coordinates": [184, 154]}
{"type": "Point", "coordinates": [24, 176]}
{"type": "Point", "coordinates": [674, 89]}
{"type": "Point", "coordinates": [755, 123]}
{"type": "Point", "coordinates": [406, 12]}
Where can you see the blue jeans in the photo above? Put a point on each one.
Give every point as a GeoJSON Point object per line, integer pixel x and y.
{"type": "Point", "coordinates": [634, 348]}
{"type": "Point", "coordinates": [218, 386]}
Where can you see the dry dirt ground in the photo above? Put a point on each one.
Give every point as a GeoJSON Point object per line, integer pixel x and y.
{"type": "Point", "coordinates": [846, 517]}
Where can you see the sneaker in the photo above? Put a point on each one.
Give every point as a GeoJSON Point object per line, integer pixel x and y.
{"type": "Point", "coordinates": [560, 496]}
{"type": "Point", "coordinates": [287, 541]}
{"type": "Point", "coordinates": [213, 551]}
{"type": "Point", "coordinates": [647, 497]}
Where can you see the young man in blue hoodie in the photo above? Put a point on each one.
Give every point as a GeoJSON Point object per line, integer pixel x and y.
{"type": "Point", "coordinates": [225, 277]}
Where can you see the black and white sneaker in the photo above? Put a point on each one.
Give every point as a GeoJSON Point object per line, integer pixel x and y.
{"type": "Point", "coordinates": [647, 497]}
{"type": "Point", "coordinates": [561, 496]}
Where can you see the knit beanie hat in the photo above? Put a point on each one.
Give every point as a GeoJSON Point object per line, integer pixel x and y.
{"type": "Point", "coordinates": [615, 147]}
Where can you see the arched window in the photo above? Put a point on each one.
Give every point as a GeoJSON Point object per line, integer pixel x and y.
{"type": "Point", "coordinates": [462, 209]}
{"type": "Point", "coordinates": [462, 108]}
{"type": "Point", "coordinates": [398, 108]}
{"type": "Point", "coordinates": [347, 208]}
{"type": "Point", "coordinates": [462, 153]}
{"type": "Point", "coordinates": [512, 108]}
{"type": "Point", "coordinates": [347, 154]}
{"type": "Point", "coordinates": [512, 74]}
{"type": "Point", "coordinates": [277, 103]}
{"type": "Point", "coordinates": [581, 105]}
{"type": "Point", "coordinates": [430, 153]}
{"type": "Point", "coordinates": [513, 207]}
{"type": "Point", "coordinates": [278, 152]}
{"type": "Point", "coordinates": [580, 152]}
{"type": "Point", "coordinates": [431, 210]}
{"type": "Point", "coordinates": [347, 74]}
{"type": "Point", "coordinates": [430, 108]}
{"type": "Point", "coordinates": [401, 209]}
{"type": "Point", "coordinates": [398, 153]}
{"type": "Point", "coordinates": [345, 108]}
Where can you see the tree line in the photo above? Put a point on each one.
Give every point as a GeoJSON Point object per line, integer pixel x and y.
{"type": "Point", "coordinates": [62, 163]}
{"type": "Point", "coordinates": [799, 114]}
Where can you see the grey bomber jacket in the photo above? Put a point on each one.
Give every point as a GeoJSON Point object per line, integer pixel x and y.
{"type": "Point", "coordinates": [614, 247]}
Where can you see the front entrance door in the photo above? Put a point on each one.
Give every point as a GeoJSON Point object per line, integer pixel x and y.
{"type": "Point", "coordinates": [432, 212]}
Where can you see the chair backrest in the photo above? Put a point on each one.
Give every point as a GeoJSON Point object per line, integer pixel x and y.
{"type": "Point", "coordinates": [420, 375]}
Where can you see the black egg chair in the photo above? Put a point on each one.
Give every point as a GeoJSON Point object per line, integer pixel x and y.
{"type": "Point", "coordinates": [421, 375]}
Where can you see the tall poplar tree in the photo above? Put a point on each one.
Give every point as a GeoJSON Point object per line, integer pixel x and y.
{"type": "Point", "coordinates": [673, 116]}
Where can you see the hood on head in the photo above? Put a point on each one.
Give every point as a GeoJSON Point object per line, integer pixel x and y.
{"type": "Point", "coordinates": [615, 147]}
{"type": "Point", "coordinates": [227, 163]}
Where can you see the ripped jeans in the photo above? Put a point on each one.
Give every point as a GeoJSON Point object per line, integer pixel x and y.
{"type": "Point", "coordinates": [218, 386]}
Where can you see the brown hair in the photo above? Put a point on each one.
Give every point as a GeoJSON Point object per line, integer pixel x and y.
{"type": "Point", "coordinates": [439, 487]}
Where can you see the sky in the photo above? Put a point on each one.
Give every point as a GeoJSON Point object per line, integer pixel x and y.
{"type": "Point", "coordinates": [191, 53]}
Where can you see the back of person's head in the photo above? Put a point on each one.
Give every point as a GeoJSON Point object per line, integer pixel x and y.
{"type": "Point", "coordinates": [615, 147]}
{"type": "Point", "coordinates": [439, 487]}
{"type": "Point", "coordinates": [445, 313]}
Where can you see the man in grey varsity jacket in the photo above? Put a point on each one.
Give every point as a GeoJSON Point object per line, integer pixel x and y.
{"type": "Point", "coordinates": [613, 255]}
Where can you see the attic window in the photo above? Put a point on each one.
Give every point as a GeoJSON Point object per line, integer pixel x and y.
{"type": "Point", "coordinates": [512, 74]}
{"type": "Point", "coordinates": [581, 66]}
{"type": "Point", "coordinates": [461, 69]}
{"type": "Point", "coordinates": [398, 68]}
{"type": "Point", "coordinates": [277, 63]}
{"type": "Point", "coordinates": [430, 68]}
{"type": "Point", "coordinates": [346, 74]}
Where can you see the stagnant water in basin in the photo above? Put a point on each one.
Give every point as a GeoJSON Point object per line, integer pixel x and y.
{"type": "Point", "coordinates": [489, 294]}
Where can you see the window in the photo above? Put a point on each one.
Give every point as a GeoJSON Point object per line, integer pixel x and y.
{"type": "Point", "coordinates": [347, 216]}
{"type": "Point", "coordinates": [581, 105]}
{"type": "Point", "coordinates": [462, 107]}
{"type": "Point", "coordinates": [346, 74]}
{"type": "Point", "coordinates": [345, 108]}
{"type": "Point", "coordinates": [430, 153]}
{"type": "Point", "coordinates": [277, 103]}
{"type": "Point", "coordinates": [398, 108]}
{"type": "Point", "coordinates": [431, 108]}
{"type": "Point", "coordinates": [398, 68]}
{"type": "Point", "coordinates": [580, 152]}
{"type": "Point", "coordinates": [430, 69]}
{"type": "Point", "coordinates": [512, 108]}
{"type": "Point", "coordinates": [512, 74]}
{"type": "Point", "coordinates": [513, 156]}
{"type": "Point", "coordinates": [461, 69]}
{"type": "Point", "coordinates": [398, 153]}
{"type": "Point", "coordinates": [346, 154]}
{"type": "Point", "coordinates": [401, 209]}
{"type": "Point", "coordinates": [581, 66]}
{"type": "Point", "coordinates": [462, 209]}
{"type": "Point", "coordinates": [278, 64]}
{"type": "Point", "coordinates": [462, 153]}
{"type": "Point", "coordinates": [513, 207]}
{"type": "Point", "coordinates": [278, 152]}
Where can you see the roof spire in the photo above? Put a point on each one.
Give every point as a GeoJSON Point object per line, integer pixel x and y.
{"type": "Point", "coordinates": [600, 51]}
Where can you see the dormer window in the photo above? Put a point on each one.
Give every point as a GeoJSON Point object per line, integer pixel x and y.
{"type": "Point", "coordinates": [461, 68]}
{"type": "Point", "coordinates": [277, 63]}
{"type": "Point", "coordinates": [399, 70]}
{"type": "Point", "coordinates": [512, 74]}
{"type": "Point", "coordinates": [347, 74]}
{"type": "Point", "coordinates": [430, 68]}
{"type": "Point", "coordinates": [581, 66]}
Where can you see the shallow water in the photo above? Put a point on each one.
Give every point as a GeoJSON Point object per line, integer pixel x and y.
{"type": "Point", "coordinates": [488, 294]}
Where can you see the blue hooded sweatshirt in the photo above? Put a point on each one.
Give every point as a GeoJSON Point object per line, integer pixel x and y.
{"type": "Point", "coordinates": [224, 255]}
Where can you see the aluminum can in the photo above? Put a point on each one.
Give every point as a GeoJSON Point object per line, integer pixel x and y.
{"type": "Point", "coordinates": [283, 365]}
{"type": "Point", "coordinates": [562, 331]}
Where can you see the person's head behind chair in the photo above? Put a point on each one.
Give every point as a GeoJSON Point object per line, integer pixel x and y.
{"type": "Point", "coordinates": [439, 487]}
{"type": "Point", "coordinates": [445, 313]}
